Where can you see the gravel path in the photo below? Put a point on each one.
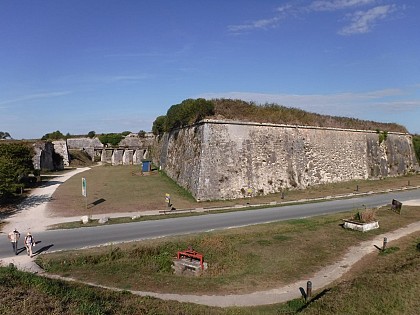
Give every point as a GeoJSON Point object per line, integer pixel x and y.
{"type": "Point", "coordinates": [33, 217]}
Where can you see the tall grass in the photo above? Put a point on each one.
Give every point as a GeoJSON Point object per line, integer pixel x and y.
{"type": "Point", "coordinates": [278, 114]}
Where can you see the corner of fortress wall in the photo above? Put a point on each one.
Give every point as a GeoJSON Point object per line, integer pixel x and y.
{"type": "Point", "coordinates": [228, 160]}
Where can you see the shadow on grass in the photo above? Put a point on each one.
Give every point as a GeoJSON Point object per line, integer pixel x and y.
{"type": "Point", "coordinates": [96, 202]}
{"type": "Point", "coordinates": [314, 299]}
{"type": "Point", "coordinates": [42, 249]}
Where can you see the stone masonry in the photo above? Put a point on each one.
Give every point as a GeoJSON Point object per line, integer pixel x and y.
{"type": "Point", "coordinates": [228, 160]}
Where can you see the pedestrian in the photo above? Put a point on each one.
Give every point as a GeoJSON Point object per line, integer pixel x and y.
{"type": "Point", "coordinates": [29, 242]}
{"type": "Point", "coordinates": [14, 238]}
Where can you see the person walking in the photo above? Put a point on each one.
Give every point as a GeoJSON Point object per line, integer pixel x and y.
{"type": "Point", "coordinates": [29, 242]}
{"type": "Point", "coordinates": [14, 238]}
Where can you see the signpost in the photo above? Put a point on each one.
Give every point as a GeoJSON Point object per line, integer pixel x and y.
{"type": "Point", "coordinates": [84, 190]}
{"type": "Point", "coordinates": [168, 199]}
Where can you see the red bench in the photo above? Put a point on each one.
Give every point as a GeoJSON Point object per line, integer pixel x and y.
{"type": "Point", "coordinates": [192, 254]}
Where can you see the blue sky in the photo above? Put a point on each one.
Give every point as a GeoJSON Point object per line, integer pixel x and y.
{"type": "Point", "coordinates": [113, 66]}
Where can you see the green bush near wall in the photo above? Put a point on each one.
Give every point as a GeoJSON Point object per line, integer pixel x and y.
{"type": "Point", "coordinates": [416, 145]}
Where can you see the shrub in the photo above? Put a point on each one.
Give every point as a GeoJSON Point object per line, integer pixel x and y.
{"type": "Point", "coordinates": [180, 115]}
{"type": "Point", "coordinates": [158, 127]}
{"type": "Point", "coordinates": [15, 165]}
{"type": "Point", "coordinates": [365, 216]}
{"type": "Point", "coordinates": [111, 138]}
{"type": "Point", "coordinates": [416, 146]}
{"type": "Point", "coordinates": [56, 135]}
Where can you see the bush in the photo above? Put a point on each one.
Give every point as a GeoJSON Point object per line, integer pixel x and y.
{"type": "Point", "coordinates": [111, 138]}
{"type": "Point", "coordinates": [365, 216]}
{"type": "Point", "coordinates": [158, 127]}
{"type": "Point", "coordinates": [416, 145]}
{"type": "Point", "coordinates": [56, 135]}
{"type": "Point", "coordinates": [15, 165]}
{"type": "Point", "coordinates": [181, 115]}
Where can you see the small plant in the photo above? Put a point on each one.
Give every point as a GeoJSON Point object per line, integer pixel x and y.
{"type": "Point", "coordinates": [382, 136]}
{"type": "Point", "coordinates": [389, 250]}
{"type": "Point", "coordinates": [364, 216]}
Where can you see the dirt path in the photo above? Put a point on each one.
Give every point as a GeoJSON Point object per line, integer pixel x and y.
{"type": "Point", "coordinates": [32, 216]}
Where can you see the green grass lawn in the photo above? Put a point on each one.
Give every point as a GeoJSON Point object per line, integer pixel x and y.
{"type": "Point", "coordinates": [380, 284]}
{"type": "Point", "coordinates": [240, 260]}
{"type": "Point", "coordinates": [113, 189]}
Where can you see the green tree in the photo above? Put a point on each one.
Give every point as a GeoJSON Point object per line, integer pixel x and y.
{"type": "Point", "coordinates": [158, 126]}
{"type": "Point", "coordinates": [142, 133]}
{"type": "Point", "coordinates": [15, 164]}
{"type": "Point", "coordinates": [91, 134]}
{"type": "Point", "coordinates": [5, 135]}
{"type": "Point", "coordinates": [187, 113]}
{"type": "Point", "coordinates": [56, 135]}
{"type": "Point", "coordinates": [111, 138]}
{"type": "Point", "coordinates": [416, 145]}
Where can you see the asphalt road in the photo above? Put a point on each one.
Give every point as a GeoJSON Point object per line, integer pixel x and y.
{"type": "Point", "coordinates": [94, 236]}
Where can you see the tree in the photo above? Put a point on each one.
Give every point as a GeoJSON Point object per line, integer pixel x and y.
{"type": "Point", "coordinates": [56, 135]}
{"type": "Point", "coordinates": [187, 113]}
{"type": "Point", "coordinates": [158, 127]}
{"type": "Point", "coordinates": [5, 135]}
{"type": "Point", "coordinates": [111, 138]}
{"type": "Point", "coordinates": [142, 133]}
{"type": "Point", "coordinates": [91, 134]}
{"type": "Point", "coordinates": [15, 164]}
{"type": "Point", "coordinates": [416, 145]}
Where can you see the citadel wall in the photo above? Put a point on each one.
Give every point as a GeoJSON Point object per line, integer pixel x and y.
{"type": "Point", "coordinates": [227, 160]}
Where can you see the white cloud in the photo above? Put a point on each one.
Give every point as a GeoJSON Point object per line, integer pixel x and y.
{"type": "Point", "coordinates": [31, 97]}
{"type": "Point", "coordinates": [324, 5]}
{"type": "Point", "coordinates": [119, 78]}
{"type": "Point", "coordinates": [258, 24]}
{"type": "Point", "coordinates": [363, 21]}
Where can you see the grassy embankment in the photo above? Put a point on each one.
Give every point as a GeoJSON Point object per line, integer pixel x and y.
{"type": "Point", "coordinates": [241, 260]}
{"type": "Point", "coordinates": [380, 284]}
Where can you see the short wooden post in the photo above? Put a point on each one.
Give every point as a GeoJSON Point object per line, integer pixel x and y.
{"type": "Point", "coordinates": [384, 244]}
{"type": "Point", "coordinates": [308, 290]}
{"type": "Point", "coordinates": [357, 187]}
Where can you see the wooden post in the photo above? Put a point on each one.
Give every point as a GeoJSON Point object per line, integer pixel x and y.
{"type": "Point", "coordinates": [308, 290]}
{"type": "Point", "coordinates": [384, 245]}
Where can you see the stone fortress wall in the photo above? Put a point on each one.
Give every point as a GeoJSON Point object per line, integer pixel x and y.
{"type": "Point", "coordinates": [228, 160]}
